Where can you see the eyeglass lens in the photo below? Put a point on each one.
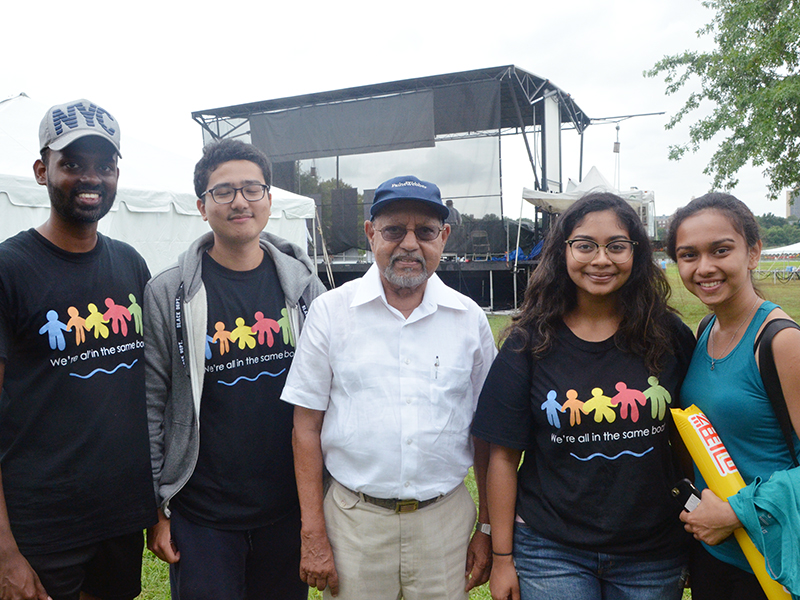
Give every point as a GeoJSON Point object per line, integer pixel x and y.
{"type": "Point", "coordinates": [225, 194]}
{"type": "Point", "coordinates": [618, 251]}
{"type": "Point", "coordinates": [395, 233]}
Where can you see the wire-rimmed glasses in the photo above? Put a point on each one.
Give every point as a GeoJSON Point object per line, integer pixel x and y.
{"type": "Point", "coordinates": [617, 251]}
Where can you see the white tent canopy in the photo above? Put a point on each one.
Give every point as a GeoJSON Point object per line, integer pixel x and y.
{"type": "Point", "coordinates": [791, 249]}
{"type": "Point", "coordinates": [156, 208]}
{"type": "Point", "coordinates": [642, 201]}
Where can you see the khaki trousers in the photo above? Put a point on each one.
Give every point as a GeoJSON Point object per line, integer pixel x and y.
{"type": "Point", "coordinates": [382, 555]}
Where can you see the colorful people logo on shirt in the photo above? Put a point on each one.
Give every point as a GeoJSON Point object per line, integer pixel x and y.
{"type": "Point", "coordinates": [627, 400]}
{"type": "Point", "coordinates": [95, 321]}
{"type": "Point", "coordinates": [262, 332]}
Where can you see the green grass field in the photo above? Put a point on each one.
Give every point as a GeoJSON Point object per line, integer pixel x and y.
{"type": "Point", "coordinates": [155, 583]}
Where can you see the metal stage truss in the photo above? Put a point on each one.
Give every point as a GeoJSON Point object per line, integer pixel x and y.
{"type": "Point", "coordinates": [426, 118]}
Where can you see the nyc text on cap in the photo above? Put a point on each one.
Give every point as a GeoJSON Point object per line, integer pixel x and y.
{"type": "Point", "coordinates": [65, 123]}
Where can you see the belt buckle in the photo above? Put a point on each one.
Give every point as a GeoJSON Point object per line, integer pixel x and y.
{"type": "Point", "coordinates": [406, 506]}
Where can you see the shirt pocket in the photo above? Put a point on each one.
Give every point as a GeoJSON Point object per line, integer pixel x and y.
{"type": "Point", "coordinates": [451, 399]}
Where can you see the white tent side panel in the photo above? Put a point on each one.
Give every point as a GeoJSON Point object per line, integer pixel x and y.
{"type": "Point", "coordinates": [160, 225]}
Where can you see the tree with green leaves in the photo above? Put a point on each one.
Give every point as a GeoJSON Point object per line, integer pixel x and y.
{"type": "Point", "coordinates": [769, 220]}
{"type": "Point", "coordinates": [752, 80]}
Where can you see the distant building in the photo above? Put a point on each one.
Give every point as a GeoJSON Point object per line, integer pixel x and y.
{"type": "Point", "coordinates": [792, 205]}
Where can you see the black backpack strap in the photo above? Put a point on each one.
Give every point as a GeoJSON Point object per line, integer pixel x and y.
{"type": "Point", "coordinates": [703, 324]}
{"type": "Point", "coordinates": [772, 383]}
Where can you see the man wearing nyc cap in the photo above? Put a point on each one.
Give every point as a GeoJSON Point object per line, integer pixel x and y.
{"type": "Point", "coordinates": [385, 382]}
{"type": "Point", "coordinates": [74, 456]}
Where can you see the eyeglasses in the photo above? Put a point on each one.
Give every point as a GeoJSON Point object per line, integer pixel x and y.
{"type": "Point", "coordinates": [395, 233]}
{"type": "Point", "coordinates": [225, 194]}
{"type": "Point", "coordinates": [618, 251]}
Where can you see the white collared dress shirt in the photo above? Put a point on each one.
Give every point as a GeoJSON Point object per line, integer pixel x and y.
{"type": "Point", "coordinates": [398, 394]}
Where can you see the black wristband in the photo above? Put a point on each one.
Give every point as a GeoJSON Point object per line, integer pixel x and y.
{"type": "Point", "coordinates": [502, 553]}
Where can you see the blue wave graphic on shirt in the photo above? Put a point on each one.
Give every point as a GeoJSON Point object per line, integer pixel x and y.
{"type": "Point", "coordinates": [238, 379]}
{"type": "Point", "coordinates": [601, 455]}
{"type": "Point", "coordinates": [114, 370]}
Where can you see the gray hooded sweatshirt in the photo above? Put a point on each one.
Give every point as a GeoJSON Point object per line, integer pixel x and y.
{"type": "Point", "coordinates": [175, 325]}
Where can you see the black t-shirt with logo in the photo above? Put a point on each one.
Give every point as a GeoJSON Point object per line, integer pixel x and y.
{"type": "Point", "coordinates": [244, 476]}
{"type": "Point", "coordinates": [594, 424]}
{"type": "Point", "coordinates": [73, 424]}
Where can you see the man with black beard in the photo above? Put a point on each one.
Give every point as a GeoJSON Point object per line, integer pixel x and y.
{"type": "Point", "coordinates": [385, 382]}
{"type": "Point", "coordinates": [75, 485]}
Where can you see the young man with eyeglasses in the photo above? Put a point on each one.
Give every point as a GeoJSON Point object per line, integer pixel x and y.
{"type": "Point", "coordinates": [220, 331]}
{"type": "Point", "coordinates": [385, 383]}
{"type": "Point", "coordinates": [75, 492]}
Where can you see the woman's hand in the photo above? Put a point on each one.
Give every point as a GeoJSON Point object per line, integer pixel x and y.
{"type": "Point", "coordinates": [712, 521]}
{"type": "Point", "coordinates": [504, 584]}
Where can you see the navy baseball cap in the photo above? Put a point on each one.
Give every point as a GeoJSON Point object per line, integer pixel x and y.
{"type": "Point", "coordinates": [408, 187]}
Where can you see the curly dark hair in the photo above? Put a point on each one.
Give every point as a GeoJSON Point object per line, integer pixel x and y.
{"type": "Point", "coordinates": [551, 294]}
{"type": "Point", "coordinates": [740, 216]}
{"type": "Point", "coordinates": [223, 151]}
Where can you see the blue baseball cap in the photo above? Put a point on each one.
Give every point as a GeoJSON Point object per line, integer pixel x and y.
{"type": "Point", "coordinates": [408, 187]}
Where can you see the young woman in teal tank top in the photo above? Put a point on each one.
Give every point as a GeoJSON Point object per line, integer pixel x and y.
{"type": "Point", "coordinates": [715, 242]}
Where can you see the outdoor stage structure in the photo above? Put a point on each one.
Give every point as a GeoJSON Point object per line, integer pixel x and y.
{"type": "Point", "coordinates": [337, 146]}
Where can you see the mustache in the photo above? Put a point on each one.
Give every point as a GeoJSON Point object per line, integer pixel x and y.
{"type": "Point", "coordinates": [407, 257]}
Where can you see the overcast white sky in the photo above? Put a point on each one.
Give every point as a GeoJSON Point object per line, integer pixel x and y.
{"type": "Point", "coordinates": [151, 63]}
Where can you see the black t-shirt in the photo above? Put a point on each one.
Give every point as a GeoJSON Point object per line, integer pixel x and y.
{"type": "Point", "coordinates": [597, 468]}
{"type": "Point", "coordinates": [73, 425]}
{"type": "Point", "coordinates": [244, 476]}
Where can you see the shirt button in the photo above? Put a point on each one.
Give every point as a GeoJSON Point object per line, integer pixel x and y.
{"type": "Point", "coordinates": [408, 441]}
{"type": "Point", "coordinates": [407, 361]}
{"type": "Point", "coordinates": [408, 484]}
{"type": "Point", "coordinates": [408, 400]}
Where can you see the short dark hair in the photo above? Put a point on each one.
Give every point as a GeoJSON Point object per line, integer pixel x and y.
{"type": "Point", "coordinates": [223, 151]}
{"type": "Point", "coordinates": [740, 216]}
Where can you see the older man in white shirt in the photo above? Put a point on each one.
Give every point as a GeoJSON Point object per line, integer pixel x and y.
{"type": "Point", "coordinates": [385, 382]}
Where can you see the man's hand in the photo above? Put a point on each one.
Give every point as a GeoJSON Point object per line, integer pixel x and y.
{"type": "Point", "coordinates": [159, 540]}
{"type": "Point", "coordinates": [18, 581]}
{"type": "Point", "coordinates": [712, 521]}
{"type": "Point", "coordinates": [317, 568]}
{"type": "Point", "coordinates": [504, 584]}
{"type": "Point", "coordinates": [479, 560]}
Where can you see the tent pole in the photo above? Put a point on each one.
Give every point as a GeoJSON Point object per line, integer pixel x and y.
{"type": "Point", "coordinates": [491, 291]}
{"type": "Point", "coordinates": [524, 136]}
{"type": "Point", "coordinates": [500, 176]}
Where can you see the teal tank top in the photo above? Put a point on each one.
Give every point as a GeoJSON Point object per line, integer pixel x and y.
{"type": "Point", "coordinates": [733, 398]}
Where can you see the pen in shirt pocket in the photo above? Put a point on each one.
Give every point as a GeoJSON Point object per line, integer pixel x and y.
{"type": "Point", "coordinates": [436, 369]}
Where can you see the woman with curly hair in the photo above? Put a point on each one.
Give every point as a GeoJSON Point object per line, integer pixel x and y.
{"type": "Point", "coordinates": [582, 386]}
